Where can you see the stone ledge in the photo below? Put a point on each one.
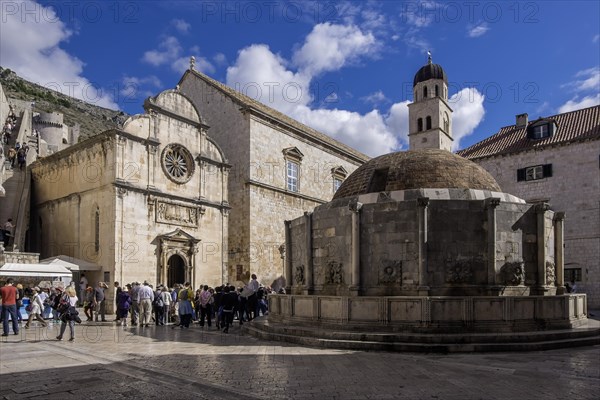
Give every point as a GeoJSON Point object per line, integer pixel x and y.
{"type": "Point", "coordinates": [428, 343]}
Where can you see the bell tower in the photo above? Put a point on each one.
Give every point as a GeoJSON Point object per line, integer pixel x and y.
{"type": "Point", "coordinates": [430, 115]}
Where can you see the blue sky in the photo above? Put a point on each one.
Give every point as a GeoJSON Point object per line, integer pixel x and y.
{"type": "Point", "coordinates": [345, 68]}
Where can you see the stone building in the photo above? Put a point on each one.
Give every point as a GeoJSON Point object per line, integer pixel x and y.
{"type": "Point", "coordinates": [145, 202]}
{"type": "Point", "coordinates": [54, 134]}
{"type": "Point", "coordinates": [424, 241]}
{"type": "Point", "coordinates": [281, 169]}
{"type": "Point", "coordinates": [555, 160]}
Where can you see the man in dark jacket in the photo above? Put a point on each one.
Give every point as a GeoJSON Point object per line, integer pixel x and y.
{"type": "Point", "coordinates": [228, 302]}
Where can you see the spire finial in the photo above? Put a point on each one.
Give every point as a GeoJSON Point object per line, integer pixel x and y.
{"type": "Point", "coordinates": [192, 63]}
{"type": "Point", "coordinates": [428, 57]}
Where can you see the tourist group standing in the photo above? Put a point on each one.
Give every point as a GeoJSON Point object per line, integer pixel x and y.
{"type": "Point", "coordinates": [140, 304]}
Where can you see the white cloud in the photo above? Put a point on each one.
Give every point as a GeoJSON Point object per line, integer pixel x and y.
{"type": "Point", "coordinates": [329, 47]}
{"type": "Point", "coordinates": [366, 132]}
{"type": "Point", "coordinates": [579, 103]}
{"type": "Point", "coordinates": [220, 59]}
{"type": "Point", "coordinates": [31, 47]}
{"type": "Point", "coordinates": [413, 40]}
{"type": "Point", "coordinates": [169, 52]}
{"type": "Point", "coordinates": [421, 14]}
{"type": "Point", "coordinates": [169, 49]}
{"type": "Point", "coordinates": [397, 120]}
{"type": "Point", "coordinates": [285, 86]}
{"type": "Point", "coordinates": [478, 30]}
{"type": "Point", "coordinates": [468, 113]}
{"type": "Point", "coordinates": [587, 88]}
{"type": "Point", "coordinates": [377, 97]}
{"type": "Point", "coordinates": [589, 79]}
{"type": "Point", "coordinates": [133, 87]}
{"type": "Point", "coordinates": [150, 80]}
{"type": "Point", "coordinates": [181, 25]}
{"type": "Point", "coordinates": [596, 38]}
{"type": "Point", "coordinates": [263, 75]}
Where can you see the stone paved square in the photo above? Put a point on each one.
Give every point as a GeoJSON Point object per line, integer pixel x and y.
{"type": "Point", "coordinates": [111, 362]}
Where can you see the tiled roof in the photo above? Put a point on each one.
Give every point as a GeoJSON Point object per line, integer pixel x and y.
{"type": "Point", "coordinates": [249, 102]}
{"type": "Point", "coordinates": [571, 126]}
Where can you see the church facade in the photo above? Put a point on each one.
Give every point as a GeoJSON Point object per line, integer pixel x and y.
{"type": "Point", "coordinates": [281, 169]}
{"type": "Point", "coordinates": [146, 202]}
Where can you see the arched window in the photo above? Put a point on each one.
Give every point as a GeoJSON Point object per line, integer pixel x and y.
{"type": "Point", "coordinates": [437, 91]}
{"type": "Point", "coordinates": [428, 122]}
{"type": "Point", "coordinates": [420, 124]}
{"type": "Point", "coordinates": [424, 92]}
{"type": "Point", "coordinates": [97, 230]}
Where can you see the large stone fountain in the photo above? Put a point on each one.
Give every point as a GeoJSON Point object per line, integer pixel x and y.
{"type": "Point", "coordinates": [423, 247]}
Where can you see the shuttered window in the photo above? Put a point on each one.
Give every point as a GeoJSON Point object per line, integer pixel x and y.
{"type": "Point", "coordinates": [534, 173]}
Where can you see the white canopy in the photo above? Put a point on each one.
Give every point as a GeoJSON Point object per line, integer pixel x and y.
{"type": "Point", "coordinates": [12, 269]}
{"type": "Point", "coordinates": [72, 263]}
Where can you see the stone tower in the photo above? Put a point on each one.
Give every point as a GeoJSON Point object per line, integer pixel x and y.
{"type": "Point", "coordinates": [430, 116]}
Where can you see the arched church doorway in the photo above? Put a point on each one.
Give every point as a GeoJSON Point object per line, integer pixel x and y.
{"type": "Point", "coordinates": [176, 270]}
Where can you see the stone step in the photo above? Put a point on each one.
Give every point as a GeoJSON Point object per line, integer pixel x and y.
{"type": "Point", "coordinates": [415, 342]}
{"type": "Point", "coordinates": [590, 328]}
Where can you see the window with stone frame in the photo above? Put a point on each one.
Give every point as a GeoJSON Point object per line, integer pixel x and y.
{"type": "Point", "coordinates": [293, 158]}
{"type": "Point", "coordinates": [572, 274]}
{"type": "Point", "coordinates": [292, 175]}
{"type": "Point", "coordinates": [534, 173]}
{"type": "Point", "coordinates": [339, 174]}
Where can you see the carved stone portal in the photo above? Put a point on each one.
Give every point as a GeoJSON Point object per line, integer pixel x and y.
{"type": "Point", "coordinates": [513, 273]}
{"type": "Point", "coordinates": [390, 271]}
{"type": "Point", "coordinates": [334, 274]}
{"type": "Point", "coordinates": [184, 246]}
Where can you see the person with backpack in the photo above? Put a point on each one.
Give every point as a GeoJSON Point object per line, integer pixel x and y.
{"type": "Point", "coordinates": [186, 309]}
{"type": "Point", "coordinates": [68, 313]}
{"type": "Point", "coordinates": [158, 306]}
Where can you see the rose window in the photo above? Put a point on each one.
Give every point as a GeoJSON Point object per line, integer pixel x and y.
{"type": "Point", "coordinates": [177, 163]}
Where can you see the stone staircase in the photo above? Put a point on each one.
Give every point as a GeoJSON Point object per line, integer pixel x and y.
{"type": "Point", "coordinates": [17, 183]}
{"type": "Point", "coordinates": [322, 337]}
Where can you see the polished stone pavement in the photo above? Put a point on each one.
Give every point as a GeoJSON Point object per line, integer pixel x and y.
{"type": "Point", "coordinates": [111, 362]}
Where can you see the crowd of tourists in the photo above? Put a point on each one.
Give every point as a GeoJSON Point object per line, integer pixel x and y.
{"type": "Point", "coordinates": [16, 154]}
{"type": "Point", "coordinates": [140, 304]}
{"type": "Point", "coordinates": [137, 304]}
{"type": "Point", "coordinates": [9, 126]}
